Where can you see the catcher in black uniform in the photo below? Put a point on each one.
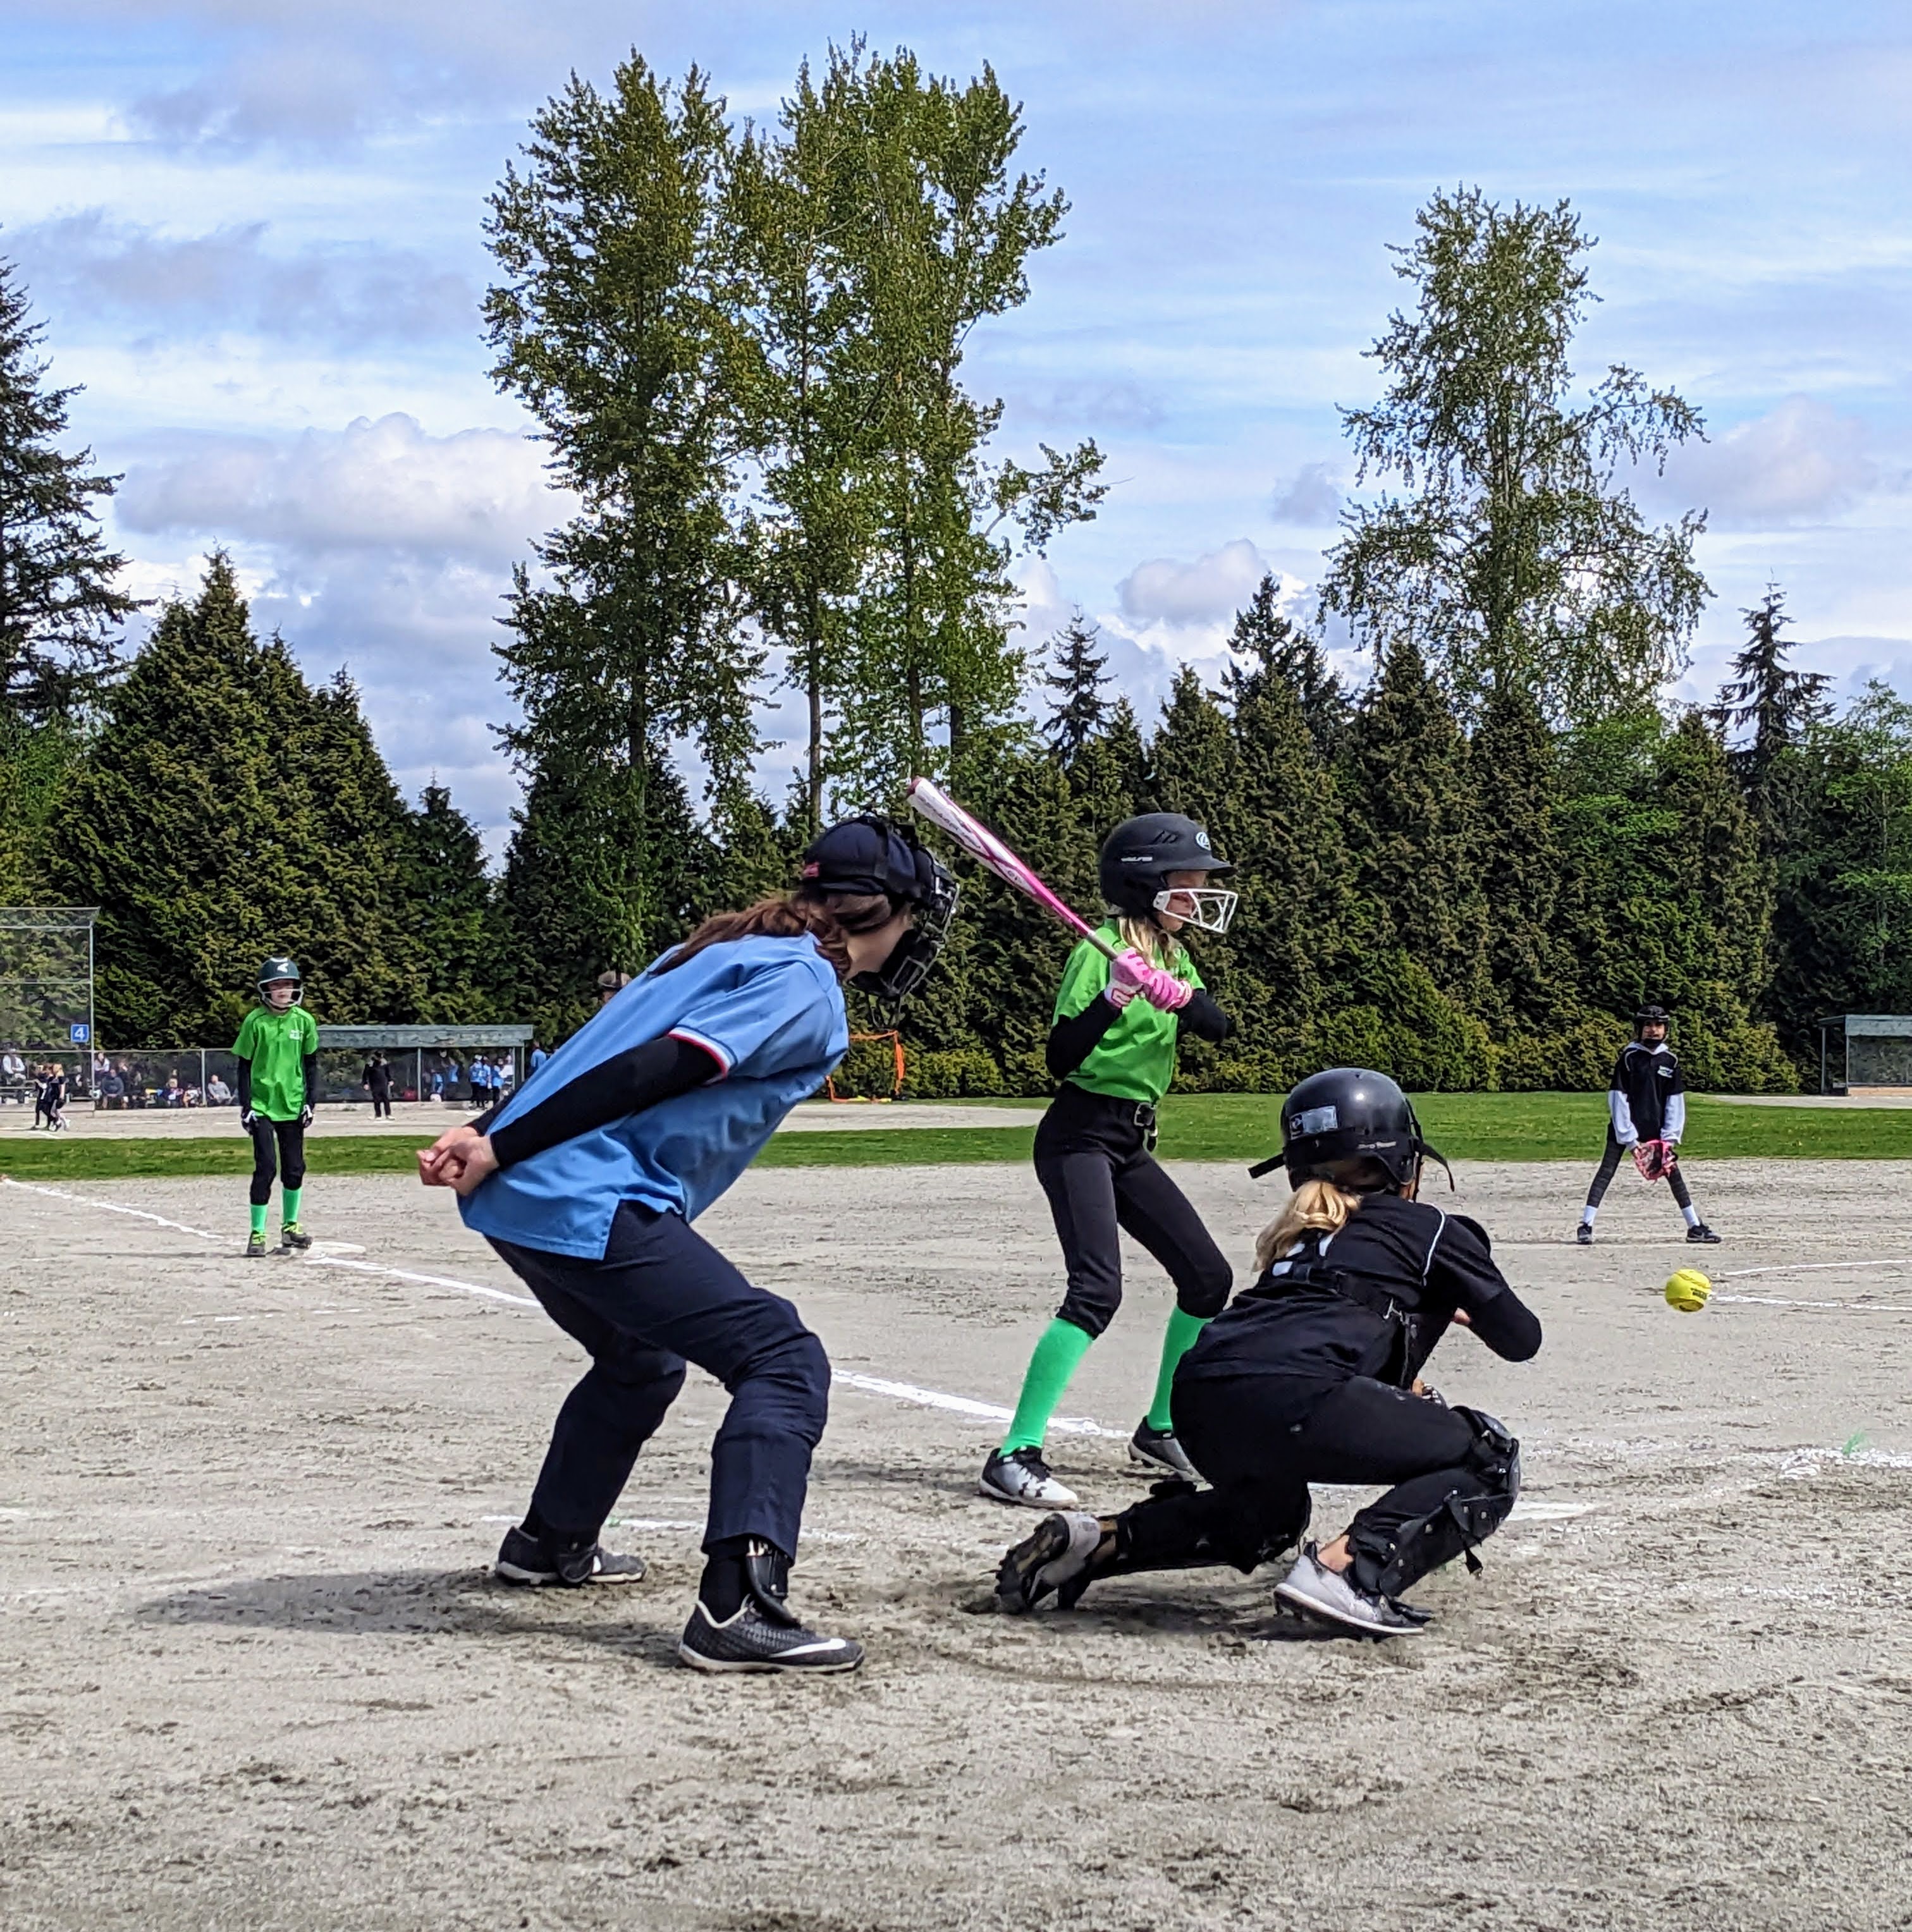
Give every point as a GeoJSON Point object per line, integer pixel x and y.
{"type": "Point", "coordinates": [1311, 1374]}
{"type": "Point", "coordinates": [1647, 1104]}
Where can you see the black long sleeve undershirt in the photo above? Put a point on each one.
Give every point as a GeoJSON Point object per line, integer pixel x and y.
{"type": "Point", "coordinates": [626, 1084]}
{"type": "Point", "coordinates": [1072, 1040]}
{"type": "Point", "coordinates": [1508, 1326]}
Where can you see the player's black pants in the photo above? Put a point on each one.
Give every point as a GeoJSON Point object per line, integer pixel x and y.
{"type": "Point", "coordinates": [1093, 1161]}
{"type": "Point", "coordinates": [382, 1104]}
{"type": "Point", "coordinates": [1451, 1485]}
{"type": "Point", "coordinates": [662, 1296]}
{"type": "Point", "coordinates": [290, 1139]}
{"type": "Point", "coordinates": [1610, 1163]}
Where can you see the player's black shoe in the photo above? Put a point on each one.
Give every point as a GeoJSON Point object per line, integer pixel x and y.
{"type": "Point", "coordinates": [255, 1247]}
{"type": "Point", "coordinates": [293, 1239]}
{"type": "Point", "coordinates": [1583, 1234]}
{"type": "Point", "coordinates": [762, 1636]}
{"type": "Point", "coordinates": [532, 1561]}
{"type": "Point", "coordinates": [1054, 1554]}
{"type": "Point", "coordinates": [1703, 1234]}
{"type": "Point", "coordinates": [1157, 1449]}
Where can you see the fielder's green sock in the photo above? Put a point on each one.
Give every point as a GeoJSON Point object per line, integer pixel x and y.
{"type": "Point", "coordinates": [289, 1208]}
{"type": "Point", "coordinates": [1176, 1341]}
{"type": "Point", "coordinates": [1062, 1347]}
{"type": "Point", "coordinates": [259, 1218]}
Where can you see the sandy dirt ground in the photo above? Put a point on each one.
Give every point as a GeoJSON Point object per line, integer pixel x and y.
{"type": "Point", "coordinates": [253, 1673]}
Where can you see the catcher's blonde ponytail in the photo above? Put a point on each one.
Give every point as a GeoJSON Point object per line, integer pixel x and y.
{"type": "Point", "coordinates": [1315, 1206]}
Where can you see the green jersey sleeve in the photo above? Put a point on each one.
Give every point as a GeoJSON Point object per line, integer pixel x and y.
{"type": "Point", "coordinates": [246, 1045]}
{"type": "Point", "coordinates": [1086, 975]}
{"type": "Point", "coordinates": [308, 1031]}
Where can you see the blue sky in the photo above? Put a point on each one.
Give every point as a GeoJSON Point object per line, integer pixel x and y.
{"type": "Point", "coordinates": [253, 231]}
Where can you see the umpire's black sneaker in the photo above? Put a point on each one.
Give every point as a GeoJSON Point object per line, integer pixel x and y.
{"type": "Point", "coordinates": [530, 1560]}
{"type": "Point", "coordinates": [762, 1637]}
{"type": "Point", "coordinates": [1703, 1233]}
{"type": "Point", "coordinates": [1583, 1234]}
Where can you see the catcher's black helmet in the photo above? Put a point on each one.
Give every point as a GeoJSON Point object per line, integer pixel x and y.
{"type": "Point", "coordinates": [1137, 857]}
{"type": "Point", "coordinates": [280, 968]}
{"type": "Point", "coordinates": [871, 854]}
{"type": "Point", "coordinates": [1349, 1113]}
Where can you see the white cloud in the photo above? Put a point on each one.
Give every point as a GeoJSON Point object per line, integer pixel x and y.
{"type": "Point", "coordinates": [1168, 592]}
{"type": "Point", "coordinates": [477, 496]}
{"type": "Point", "coordinates": [1312, 500]}
{"type": "Point", "coordinates": [95, 269]}
{"type": "Point", "coordinates": [1801, 463]}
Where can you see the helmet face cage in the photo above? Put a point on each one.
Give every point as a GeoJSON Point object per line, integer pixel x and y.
{"type": "Point", "coordinates": [1210, 908]}
{"type": "Point", "coordinates": [278, 971]}
{"type": "Point", "coordinates": [912, 956]}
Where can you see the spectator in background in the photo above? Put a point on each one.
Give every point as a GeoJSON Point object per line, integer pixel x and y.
{"type": "Point", "coordinates": [171, 1095]}
{"type": "Point", "coordinates": [538, 1056]}
{"type": "Point", "coordinates": [217, 1093]}
{"type": "Point", "coordinates": [377, 1082]}
{"type": "Point", "coordinates": [611, 983]}
{"type": "Point", "coordinates": [438, 1083]}
{"type": "Point", "coordinates": [452, 1078]}
{"type": "Point", "coordinates": [12, 1078]}
{"type": "Point", "coordinates": [110, 1089]}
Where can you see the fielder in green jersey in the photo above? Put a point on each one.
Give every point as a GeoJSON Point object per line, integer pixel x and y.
{"type": "Point", "coordinates": [1113, 1047]}
{"type": "Point", "coordinates": [277, 1050]}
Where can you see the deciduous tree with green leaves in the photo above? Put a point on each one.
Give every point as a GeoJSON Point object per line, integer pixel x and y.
{"type": "Point", "coordinates": [1512, 551]}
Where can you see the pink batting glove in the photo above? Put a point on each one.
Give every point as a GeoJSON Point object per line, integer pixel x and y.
{"type": "Point", "coordinates": [1128, 975]}
{"type": "Point", "coordinates": [1164, 992]}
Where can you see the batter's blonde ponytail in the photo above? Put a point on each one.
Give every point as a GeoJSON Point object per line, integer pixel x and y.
{"type": "Point", "coordinates": [1159, 948]}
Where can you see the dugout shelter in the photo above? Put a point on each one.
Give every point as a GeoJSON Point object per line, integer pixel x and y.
{"type": "Point", "coordinates": [426, 1061]}
{"type": "Point", "coordinates": [1861, 1052]}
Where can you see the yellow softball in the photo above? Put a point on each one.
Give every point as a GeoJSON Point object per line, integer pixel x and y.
{"type": "Point", "coordinates": [1688, 1290]}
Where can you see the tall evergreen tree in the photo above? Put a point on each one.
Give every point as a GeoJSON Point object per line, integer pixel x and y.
{"type": "Point", "coordinates": [225, 811]}
{"type": "Point", "coordinates": [619, 327]}
{"type": "Point", "coordinates": [1267, 644]}
{"type": "Point", "coordinates": [445, 900]}
{"type": "Point", "coordinates": [1779, 706]}
{"type": "Point", "coordinates": [1077, 675]}
{"type": "Point", "coordinates": [1515, 554]}
{"type": "Point", "coordinates": [60, 610]}
{"type": "Point", "coordinates": [1411, 831]}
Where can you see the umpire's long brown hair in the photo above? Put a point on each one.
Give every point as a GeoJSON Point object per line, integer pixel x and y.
{"type": "Point", "coordinates": [827, 917]}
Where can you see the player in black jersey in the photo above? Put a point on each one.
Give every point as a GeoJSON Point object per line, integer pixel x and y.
{"type": "Point", "coordinates": [1312, 1376]}
{"type": "Point", "coordinates": [1646, 1106]}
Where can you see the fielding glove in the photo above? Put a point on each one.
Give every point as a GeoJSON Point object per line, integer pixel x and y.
{"type": "Point", "coordinates": [1653, 1158]}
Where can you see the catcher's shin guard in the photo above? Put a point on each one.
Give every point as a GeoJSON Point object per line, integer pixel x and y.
{"type": "Point", "coordinates": [1429, 1520]}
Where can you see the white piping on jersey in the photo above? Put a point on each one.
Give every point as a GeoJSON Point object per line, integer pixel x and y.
{"type": "Point", "coordinates": [1427, 1266]}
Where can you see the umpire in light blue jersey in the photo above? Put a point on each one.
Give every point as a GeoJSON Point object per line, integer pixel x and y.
{"type": "Point", "coordinates": [585, 1182]}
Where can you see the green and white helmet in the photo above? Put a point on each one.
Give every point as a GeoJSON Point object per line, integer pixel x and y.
{"type": "Point", "coordinates": [280, 968]}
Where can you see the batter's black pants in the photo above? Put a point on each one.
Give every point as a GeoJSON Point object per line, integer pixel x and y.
{"type": "Point", "coordinates": [1237, 1433]}
{"type": "Point", "coordinates": [660, 1296]}
{"type": "Point", "coordinates": [1609, 1163]}
{"type": "Point", "coordinates": [290, 1139]}
{"type": "Point", "coordinates": [1093, 1160]}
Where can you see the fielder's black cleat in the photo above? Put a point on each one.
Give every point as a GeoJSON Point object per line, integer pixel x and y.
{"type": "Point", "coordinates": [534, 1562]}
{"type": "Point", "coordinates": [762, 1636]}
{"type": "Point", "coordinates": [1703, 1233]}
{"type": "Point", "coordinates": [293, 1239]}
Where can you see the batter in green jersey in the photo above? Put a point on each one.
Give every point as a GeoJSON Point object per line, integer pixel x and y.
{"type": "Point", "coordinates": [1113, 1047]}
{"type": "Point", "coordinates": [277, 1050]}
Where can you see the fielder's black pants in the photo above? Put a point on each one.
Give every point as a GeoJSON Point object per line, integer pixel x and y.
{"type": "Point", "coordinates": [290, 1137]}
{"type": "Point", "coordinates": [381, 1104]}
{"type": "Point", "coordinates": [1239, 1434]}
{"type": "Point", "coordinates": [1093, 1160]}
{"type": "Point", "coordinates": [660, 1296]}
{"type": "Point", "coordinates": [1609, 1163]}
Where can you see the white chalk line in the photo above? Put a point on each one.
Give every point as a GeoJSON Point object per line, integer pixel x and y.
{"type": "Point", "coordinates": [1789, 1461]}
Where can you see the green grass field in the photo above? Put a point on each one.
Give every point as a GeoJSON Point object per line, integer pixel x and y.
{"type": "Point", "coordinates": [1200, 1127]}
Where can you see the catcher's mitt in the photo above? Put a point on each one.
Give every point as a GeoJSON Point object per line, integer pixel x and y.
{"type": "Point", "coordinates": [1653, 1158]}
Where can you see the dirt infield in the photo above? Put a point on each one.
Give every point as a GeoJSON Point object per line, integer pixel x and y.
{"type": "Point", "coordinates": [254, 1675]}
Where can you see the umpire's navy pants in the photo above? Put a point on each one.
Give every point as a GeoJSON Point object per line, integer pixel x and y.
{"type": "Point", "coordinates": [663, 1296]}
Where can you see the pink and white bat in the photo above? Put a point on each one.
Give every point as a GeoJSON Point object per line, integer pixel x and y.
{"type": "Point", "coordinates": [983, 845]}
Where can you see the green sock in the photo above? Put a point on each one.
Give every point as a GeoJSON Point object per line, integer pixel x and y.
{"type": "Point", "coordinates": [1176, 1341]}
{"type": "Point", "coordinates": [258, 1218]}
{"type": "Point", "coordinates": [289, 1208]}
{"type": "Point", "coordinates": [1062, 1347]}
